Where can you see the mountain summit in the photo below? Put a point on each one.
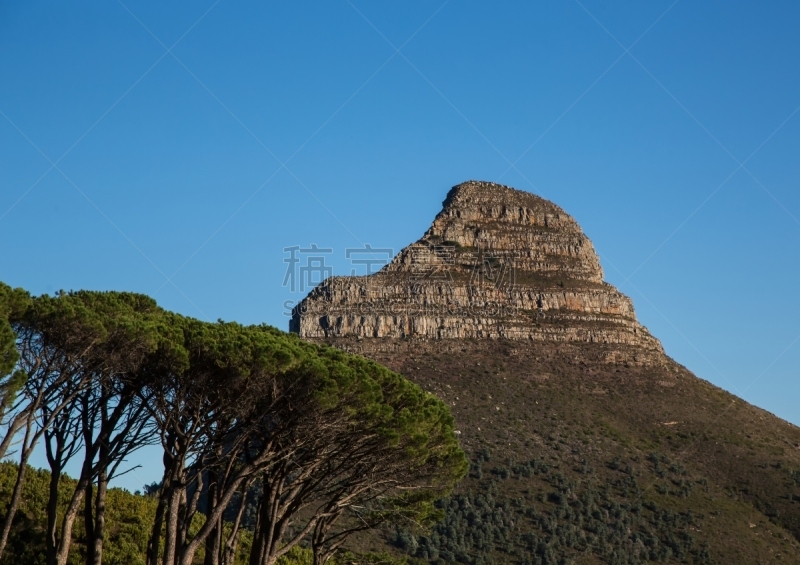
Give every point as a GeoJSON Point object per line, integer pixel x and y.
{"type": "Point", "coordinates": [496, 263]}
{"type": "Point", "coordinates": [588, 443]}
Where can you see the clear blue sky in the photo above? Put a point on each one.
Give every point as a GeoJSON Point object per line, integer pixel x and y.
{"type": "Point", "coordinates": [678, 157]}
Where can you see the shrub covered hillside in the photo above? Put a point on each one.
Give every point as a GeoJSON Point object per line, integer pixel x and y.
{"type": "Point", "coordinates": [575, 459]}
{"type": "Point", "coordinates": [314, 443]}
{"type": "Point", "coordinates": [128, 518]}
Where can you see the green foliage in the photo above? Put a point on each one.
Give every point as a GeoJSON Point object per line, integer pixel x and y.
{"type": "Point", "coordinates": [13, 302]}
{"type": "Point", "coordinates": [231, 380]}
{"type": "Point", "coordinates": [373, 396]}
{"type": "Point", "coordinates": [8, 351]}
{"type": "Point", "coordinates": [128, 518]}
{"type": "Point", "coordinates": [302, 556]}
{"type": "Point", "coordinates": [350, 558]}
{"type": "Point", "coordinates": [573, 518]}
{"type": "Point", "coordinates": [297, 556]}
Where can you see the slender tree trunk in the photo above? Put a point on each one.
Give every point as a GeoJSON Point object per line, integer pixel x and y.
{"type": "Point", "coordinates": [95, 555]}
{"type": "Point", "coordinates": [270, 535]}
{"type": "Point", "coordinates": [213, 544]}
{"type": "Point", "coordinates": [169, 462]}
{"type": "Point", "coordinates": [321, 553]}
{"type": "Point", "coordinates": [229, 551]}
{"type": "Point", "coordinates": [188, 510]}
{"type": "Point", "coordinates": [187, 553]}
{"type": "Point", "coordinates": [16, 497]}
{"type": "Point", "coordinates": [232, 543]}
{"type": "Point", "coordinates": [52, 516]}
{"type": "Point", "coordinates": [13, 505]}
{"type": "Point", "coordinates": [88, 522]}
{"type": "Point", "coordinates": [183, 525]}
{"type": "Point", "coordinates": [270, 558]}
{"type": "Point", "coordinates": [88, 417]}
{"type": "Point", "coordinates": [214, 539]}
{"type": "Point", "coordinates": [171, 536]}
{"type": "Point", "coordinates": [100, 517]}
{"type": "Point", "coordinates": [258, 535]}
{"type": "Point", "coordinates": [69, 520]}
{"type": "Point", "coordinates": [154, 542]}
{"type": "Point", "coordinates": [263, 537]}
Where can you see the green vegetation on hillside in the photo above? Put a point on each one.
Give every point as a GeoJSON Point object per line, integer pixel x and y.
{"type": "Point", "coordinates": [128, 515]}
{"type": "Point", "coordinates": [681, 464]}
{"type": "Point", "coordinates": [575, 517]}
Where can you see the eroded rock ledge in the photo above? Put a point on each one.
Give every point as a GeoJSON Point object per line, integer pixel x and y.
{"type": "Point", "coordinates": [496, 263]}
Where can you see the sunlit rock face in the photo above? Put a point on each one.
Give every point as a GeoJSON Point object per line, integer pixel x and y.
{"type": "Point", "coordinates": [497, 263]}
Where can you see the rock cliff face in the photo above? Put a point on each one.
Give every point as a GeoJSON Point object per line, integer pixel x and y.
{"type": "Point", "coordinates": [496, 263]}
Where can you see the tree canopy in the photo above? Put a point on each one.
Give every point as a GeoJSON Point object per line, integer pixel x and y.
{"type": "Point", "coordinates": [320, 442]}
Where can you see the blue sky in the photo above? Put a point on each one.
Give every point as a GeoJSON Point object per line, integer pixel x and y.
{"type": "Point", "coordinates": [176, 149]}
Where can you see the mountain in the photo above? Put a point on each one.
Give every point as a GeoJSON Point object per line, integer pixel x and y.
{"type": "Point", "coordinates": [589, 444]}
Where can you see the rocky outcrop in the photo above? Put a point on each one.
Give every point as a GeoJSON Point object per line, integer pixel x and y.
{"type": "Point", "coordinates": [496, 263]}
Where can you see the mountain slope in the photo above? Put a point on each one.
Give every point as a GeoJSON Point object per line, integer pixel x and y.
{"type": "Point", "coordinates": [589, 444]}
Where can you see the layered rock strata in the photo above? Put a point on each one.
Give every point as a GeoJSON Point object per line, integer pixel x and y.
{"type": "Point", "coordinates": [496, 263]}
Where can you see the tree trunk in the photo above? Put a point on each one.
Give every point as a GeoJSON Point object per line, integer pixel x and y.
{"type": "Point", "coordinates": [88, 417]}
{"type": "Point", "coordinates": [16, 497]}
{"type": "Point", "coordinates": [187, 553]}
{"type": "Point", "coordinates": [154, 542]}
{"type": "Point", "coordinates": [172, 467]}
{"type": "Point", "coordinates": [183, 525]}
{"type": "Point", "coordinates": [322, 553]}
{"type": "Point", "coordinates": [13, 505]}
{"type": "Point", "coordinates": [214, 539]}
{"type": "Point", "coordinates": [69, 521]}
{"type": "Point", "coordinates": [88, 522]}
{"type": "Point", "coordinates": [258, 536]}
{"type": "Point", "coordinates": [270, 534]}
{"type": "Point", "coordinates": [265, 530]}
{"type": "Point", "coordinates": [52, 516]}
{"type": "Point", "coordinates": [100, 517]}
{"type": "Point", "coordinates": [189, 509]}
{"type": "Point", "coordinates": [231, 546]}
{"type": "Point", "coordinates": [213, 544]}
{"type": "Point", "coordinates": [171, 536]}
{"type": "Point", "coordinates": [232, 543]}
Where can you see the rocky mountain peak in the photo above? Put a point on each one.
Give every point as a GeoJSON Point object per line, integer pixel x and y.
{"type": "Point", "coordinates": [496, 263]}
{"type": "Point", "coordinates": [542, 237]}
{"type": "Point", "coordinates": [476, 192]}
